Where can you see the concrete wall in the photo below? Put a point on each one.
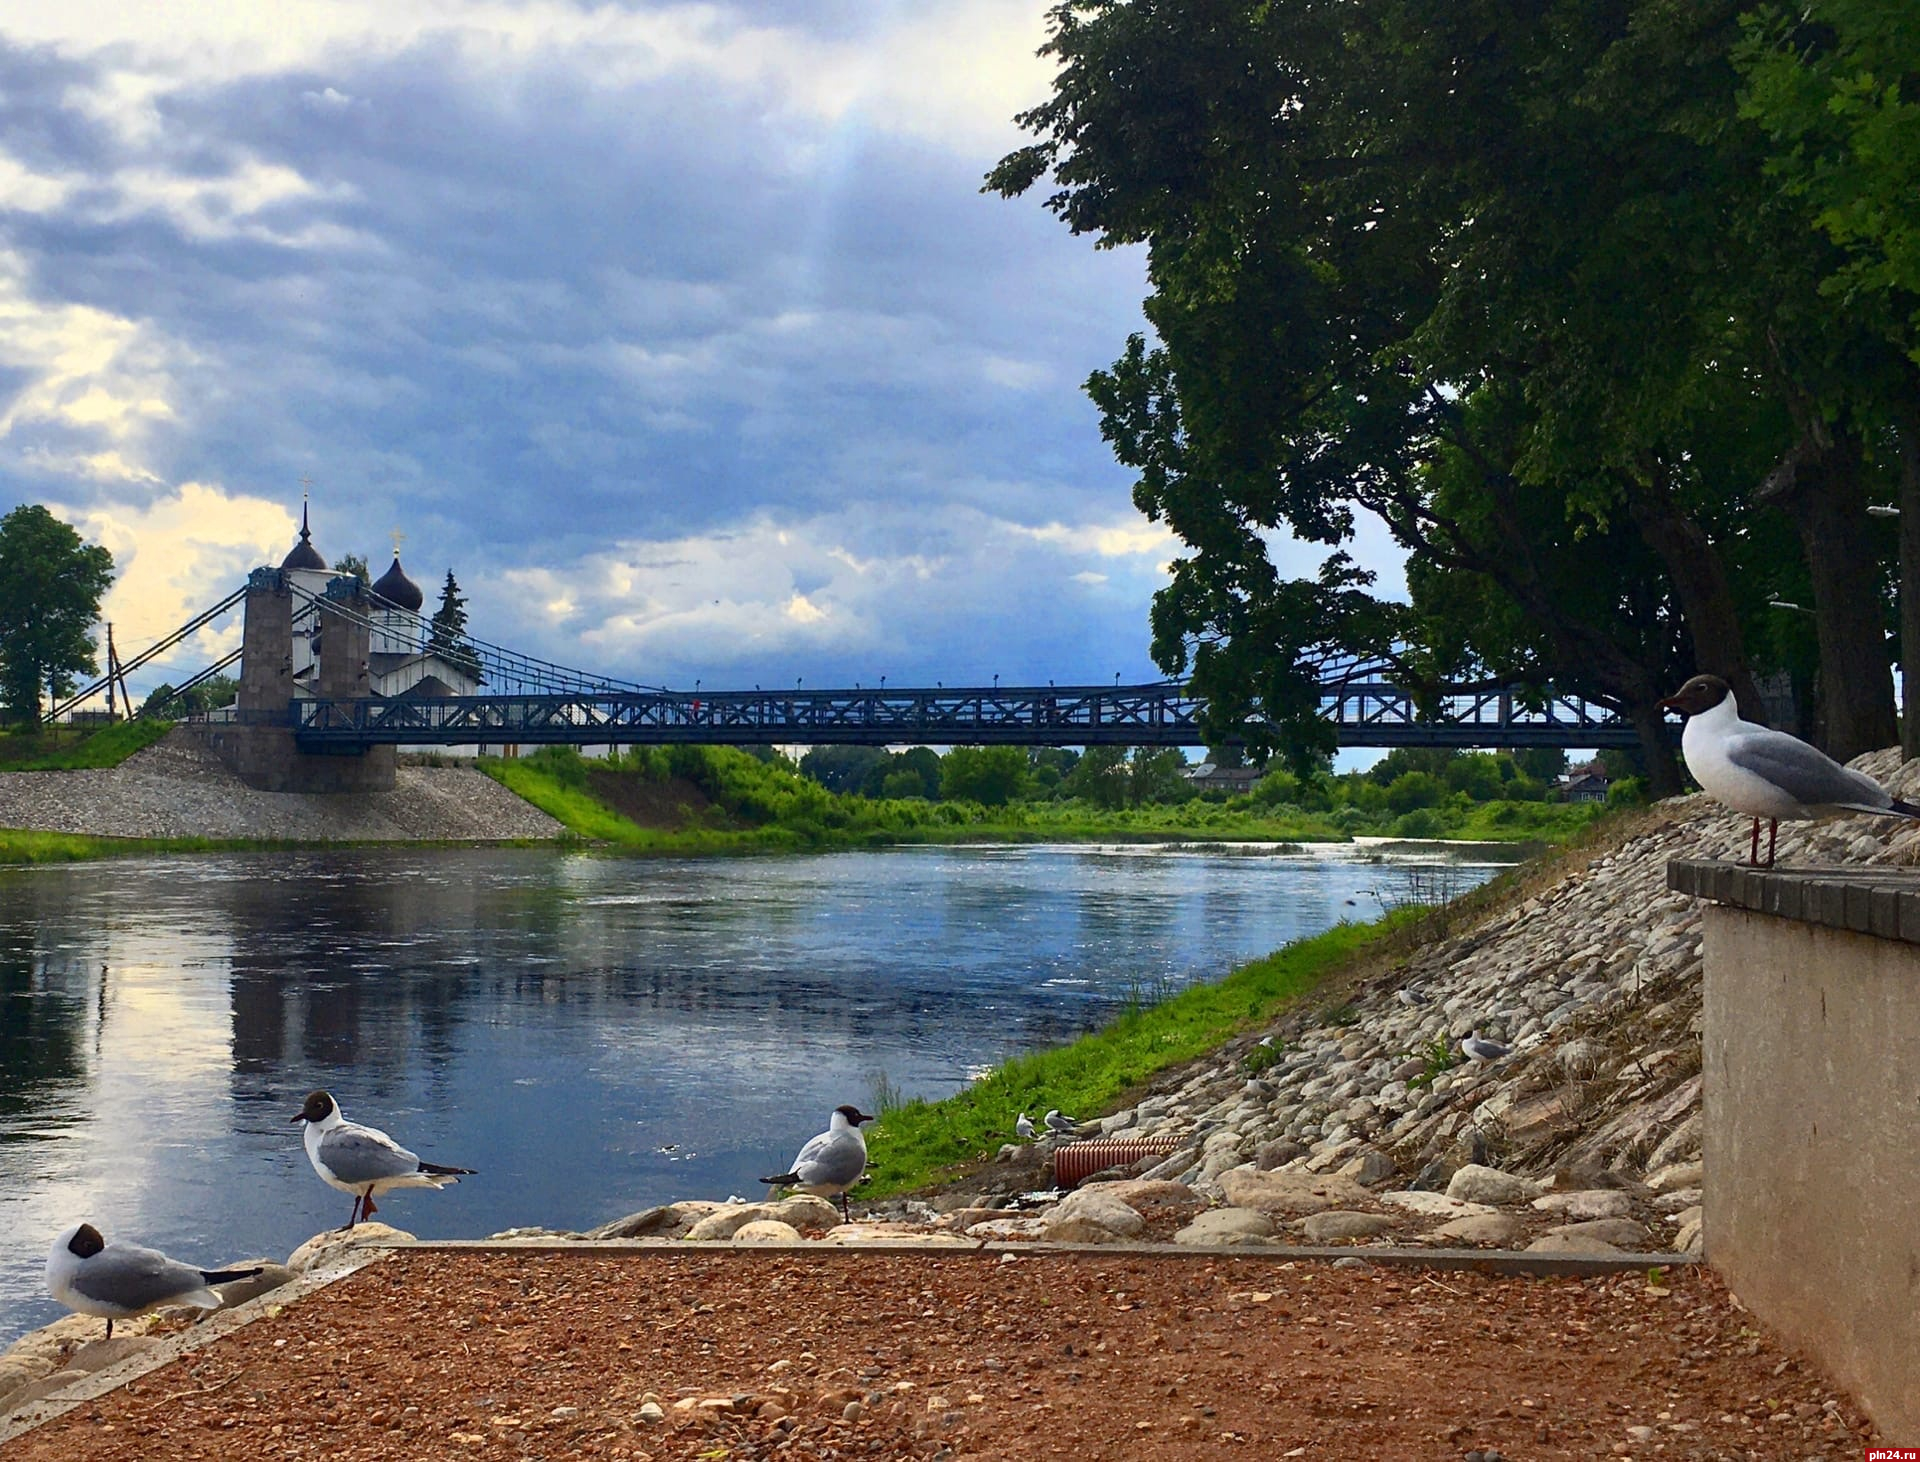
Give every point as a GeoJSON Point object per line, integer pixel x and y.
{"type": "Point", "coordinates": [1812, 1144]}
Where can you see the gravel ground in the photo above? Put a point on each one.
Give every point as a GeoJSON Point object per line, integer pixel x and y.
{"type": "Point", "coordinates": [763, 1355]}
{"type": "Point", "coordinates": [176, 789]}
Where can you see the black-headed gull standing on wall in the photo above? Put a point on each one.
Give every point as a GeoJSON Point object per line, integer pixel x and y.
{"type": "Point", "coordinates": [831, 1162]}
{"type": "Point", "coordinates": [1767, 773]}
{"type": "Point", "coordinates": [119, 1280]}
{"type": "Point", "coordinates": [363, 1161]}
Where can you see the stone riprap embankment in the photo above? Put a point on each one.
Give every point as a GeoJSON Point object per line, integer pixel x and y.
{"type": "Point", "coordinates": [178, 789]}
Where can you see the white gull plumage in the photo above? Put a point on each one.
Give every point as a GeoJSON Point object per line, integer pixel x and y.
{"type": "Point", "coordinates": [1766, 773]}
{"type": "Point", "coordinates": [116, 1281]}
{"type": "Point", "coordinates": [363, 1161]}
{"type": "Point", "coordinates": [832, 1161]}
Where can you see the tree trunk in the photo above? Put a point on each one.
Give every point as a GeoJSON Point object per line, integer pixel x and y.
{"type": "Point", "coordinates": [1699, 578]}
{"type": "Point", "coordinates": [1820, 485]}
{"type": "Point", "coordinates": [1656, 749]}
{"type": "Point", "coordinates": [1909, 426]}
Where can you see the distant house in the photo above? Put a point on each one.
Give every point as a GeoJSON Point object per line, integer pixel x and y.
{"type": "Point", "coordinates": [1587, 783]}
{"type": "Point", "coordinates": [1232, 781]}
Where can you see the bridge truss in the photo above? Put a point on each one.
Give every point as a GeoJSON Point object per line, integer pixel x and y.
{"type": "Point", "coordinates": [536, 702]}
{"type": "Point", "coordinates": [1363, 713]}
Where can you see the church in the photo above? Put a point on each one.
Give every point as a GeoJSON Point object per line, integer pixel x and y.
{"type": "Point", "coordinates": [402, 658]}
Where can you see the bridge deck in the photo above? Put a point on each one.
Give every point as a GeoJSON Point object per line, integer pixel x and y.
{"type": "Point", "coordinates": [1363, 714]}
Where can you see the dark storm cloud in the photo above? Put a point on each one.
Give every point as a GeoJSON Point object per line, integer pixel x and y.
{"type": "Point", "coordinates": [527, 313]}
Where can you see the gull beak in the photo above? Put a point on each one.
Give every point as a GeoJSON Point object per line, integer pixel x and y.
{"type": "Point", "coordinates": [861, 1117]}
{"type": "Point", "coordinates": [298, 1117]}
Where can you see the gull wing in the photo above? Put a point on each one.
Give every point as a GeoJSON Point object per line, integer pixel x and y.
{"type": "Point", "coordinates": [365, 1155]}
{"type": "Point", "coordinates": [832, 1157]}
{"type": "Point", "coordinates": [135, 1278]}
{"type": "Point", "coordinates": [1803, 772]}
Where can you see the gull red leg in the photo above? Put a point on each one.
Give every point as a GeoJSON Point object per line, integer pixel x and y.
{"type": "Point", "coordinates": [1773, 832]}
{"type": "Point", "coordinates": [367, 1210]}
{"type": "Point", "coordinates": [1753, 856]}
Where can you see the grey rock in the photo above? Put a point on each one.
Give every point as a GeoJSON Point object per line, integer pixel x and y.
{"type": "Point", "coordinates": [1226, 1226]}
{"type": "Point", "coordinates": [1337, 1224]}
{"type": "Point", "coordinates": [1621, 1233]}
{"type": "Point", "coordinates": [1479, 1184]}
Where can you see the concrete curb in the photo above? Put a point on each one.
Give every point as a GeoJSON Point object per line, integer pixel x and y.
{"type": "Point", "coordinates": [1487, 1261]}
{"type": "Point", "coordinates": [218, 1324]}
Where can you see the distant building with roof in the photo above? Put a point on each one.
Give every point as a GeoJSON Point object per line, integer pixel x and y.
{"type": "Point", "coordinates": [1587, 782]}
{"type": "Point", "coordinates": [401, 658]}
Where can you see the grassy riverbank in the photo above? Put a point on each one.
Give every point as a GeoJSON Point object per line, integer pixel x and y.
{"type": "Point", "coordinates": [67, 749]}
{"type": "Point", "coordinates": [17, 846]}
{"type": "Point", "coordinates": [918, 1143]}
{"type": "Point", "coordinates": [709, 799]}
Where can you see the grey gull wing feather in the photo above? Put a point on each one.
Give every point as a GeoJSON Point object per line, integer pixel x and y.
{"type": "Point", "coordinates": [1805, 773]}
{"type": "Point", "coordinates": [135, 1277]}
{"type": "Point", "coordinates": [361, 1155]}
{"type": "Point", "coordinates": [831, 1158]}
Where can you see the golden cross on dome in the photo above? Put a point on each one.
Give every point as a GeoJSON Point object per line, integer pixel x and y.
{"type": "Point", "coordinates": [398, 538]}
{"type": "Point", "coordinates": [306, 487]}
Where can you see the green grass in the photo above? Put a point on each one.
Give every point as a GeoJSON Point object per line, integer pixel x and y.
{"type": "Point", "coordinates": [20, 846]}
{"type": "Point", "coordinates": [60, 749]}
{"type": "Point", "coordinates": [923, 1142]}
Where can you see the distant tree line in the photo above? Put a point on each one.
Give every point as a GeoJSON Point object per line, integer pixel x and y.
{"type": "Point", "coordinates": [1111, 778]}
{"type": "Point", "coordinates": [1608, 309]}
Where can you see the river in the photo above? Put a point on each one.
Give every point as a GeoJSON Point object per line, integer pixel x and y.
{"type": "Point", "coordinates": [594, 1034]}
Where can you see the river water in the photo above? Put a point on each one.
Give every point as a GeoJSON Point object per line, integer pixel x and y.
{"type": "Point", "coordinates": [594, 1034]}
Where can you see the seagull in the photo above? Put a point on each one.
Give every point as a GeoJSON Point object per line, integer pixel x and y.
{"type": "Point", "coordinates": [1767, 773]}
{"type": "Point", "coordinates": [1477, 1048]}
{"type": "Point", "coordinates": [832, 1161]}
{"type": "Point", "coordinates": [363, 1161]}
{"type": "Point", "coordinates": [1411, 997]}
{"type": "Point", "coordinates": [1024, 1126]}
{"type": "Point", "coordinates": [118, 1281]}
{"type": "Point", "coordinates": [1065, 1126]}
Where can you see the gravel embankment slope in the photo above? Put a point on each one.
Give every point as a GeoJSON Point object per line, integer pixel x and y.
{"type": "Point", "coordinates": [177, 789]}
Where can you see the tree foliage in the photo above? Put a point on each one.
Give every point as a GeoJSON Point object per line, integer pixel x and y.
{"type": "Point", "coordinates": [447, 631]}
{"type": "Point", "coordinates": [1518, 282]}
{"type": "Point", "coordinates": [50, 589]}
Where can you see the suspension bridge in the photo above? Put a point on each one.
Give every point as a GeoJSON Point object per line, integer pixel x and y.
{"type": "Point", "coordinates": [521, 699]}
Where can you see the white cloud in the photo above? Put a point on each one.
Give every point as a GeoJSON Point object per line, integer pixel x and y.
{"type": "Point", "coordinates": [86, 371]}
{"type": "Point", "coordinates": [176, 556]}
{"type": "Point", "coordinates": [1106, 540]}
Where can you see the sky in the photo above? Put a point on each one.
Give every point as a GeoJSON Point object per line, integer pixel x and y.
{"type": "Point", "coordinates": [682, 334]}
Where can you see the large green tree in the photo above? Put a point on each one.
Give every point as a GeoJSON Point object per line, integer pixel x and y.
{"type": "Point", "coordinates": [50, 588]}
{"type": "Point", "coordinates": [1511, 279]}
{"type": "Point", "coordinates": [1836, 86]}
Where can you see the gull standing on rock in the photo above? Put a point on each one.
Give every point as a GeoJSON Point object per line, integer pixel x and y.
{"type": "Point", "coordinates": [118, 1281]}
{"type": "Point", "coordinates": [1064, 1126]}
{"type": "Point", "coordinates": [363, 1161]}
{"type": "Point", "coordinates": [1767, 773]}
{"type": "Point", "coordinates": [1024, 1126]}
{"type": "Point", "coordinates": [1477, 1048]}
{"type": "Point", "coordinates": [832, 1161]}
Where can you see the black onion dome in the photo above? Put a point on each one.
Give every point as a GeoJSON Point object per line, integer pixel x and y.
{"type": "Point", "coordinates": [304, 554]}
{"type": "Point", "coordinates": [396, 588]}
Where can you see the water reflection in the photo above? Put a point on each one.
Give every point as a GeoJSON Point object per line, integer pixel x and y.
{"type": "Point", "coordinates": [593, 1034]}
